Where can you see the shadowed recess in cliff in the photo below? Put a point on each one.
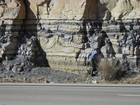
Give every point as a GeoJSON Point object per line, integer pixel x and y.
{"type": "Point", "coordinates": [102, 10]}
{"type": "Point", "coordinates": [95, 13]}
{"type": "Point", "coordinates": [96, 10]}
{"type": "Point", "coordinates": [90, 10]}
{"type": "Point", "coordinates": [30, 31]}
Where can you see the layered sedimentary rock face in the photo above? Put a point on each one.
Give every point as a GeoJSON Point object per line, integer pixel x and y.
{"type": "Point", "coordinates": [65, 31]}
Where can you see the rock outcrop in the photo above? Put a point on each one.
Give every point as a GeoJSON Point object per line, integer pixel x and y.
{"type": "Point", "coordinates": [61, 33]}
{"type": "Point", "coordinates": [12, 13]}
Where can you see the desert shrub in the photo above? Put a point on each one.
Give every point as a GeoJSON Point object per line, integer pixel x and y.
{"type": "Point", "coordinates": [110, 69]}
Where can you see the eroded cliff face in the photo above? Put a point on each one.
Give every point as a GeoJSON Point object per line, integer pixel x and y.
{"type": "Point", "coordinates": [65, 31]}
{"type": "Point", "coordinates": [122, 9]}
{"type": "Point", "coordinates": [85, 9]}
{"type": "Point", "coordinates": [12, 13]}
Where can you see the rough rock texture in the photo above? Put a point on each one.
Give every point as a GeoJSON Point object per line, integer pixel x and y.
{"type": "Point", "coordinates": [61, 33]}
{"type": "Point", "coordinates": [84, 9]}
{"type": "Point", "coordinates": [43, 75]}
{"type": "Point", "coordinates": [12, 13]}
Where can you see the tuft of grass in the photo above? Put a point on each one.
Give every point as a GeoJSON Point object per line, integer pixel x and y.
{"type": "Point", "coordinates": [109, 69]}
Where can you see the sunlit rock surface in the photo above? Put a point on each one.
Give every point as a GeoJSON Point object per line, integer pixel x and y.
{"type": "Point", "coordinates": [61, 33]}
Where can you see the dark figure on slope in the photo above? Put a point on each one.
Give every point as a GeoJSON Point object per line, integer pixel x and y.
{"type": "Point", "coordinates": [94, 58]}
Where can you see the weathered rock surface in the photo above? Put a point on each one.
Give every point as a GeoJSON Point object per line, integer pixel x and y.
{"type": "Point", "coordinates": [60, 33]}
{"type": "Point", "coordinates": [85, 9]}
